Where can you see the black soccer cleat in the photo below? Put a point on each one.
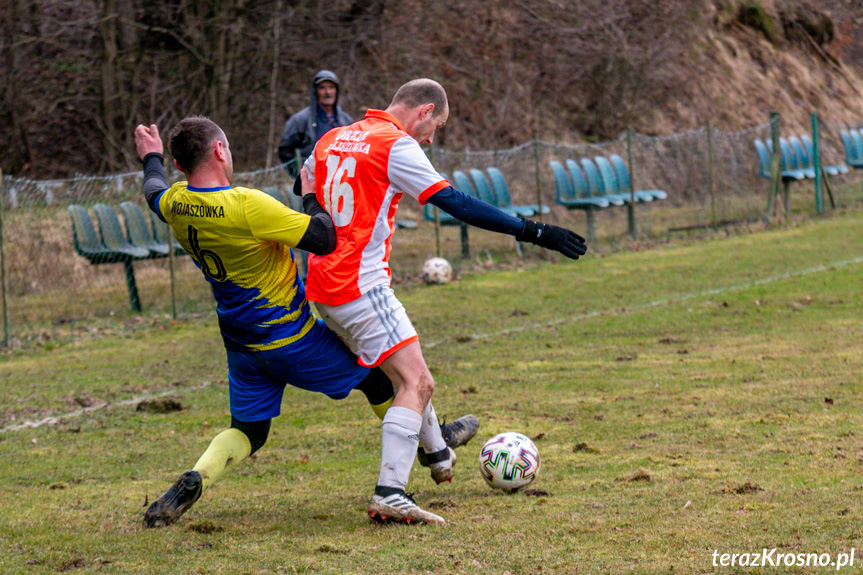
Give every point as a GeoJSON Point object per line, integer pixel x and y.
{"type": "Point", "coordinates": [175, 501]}
{"type": "Point", "coordinates": [455, 434]}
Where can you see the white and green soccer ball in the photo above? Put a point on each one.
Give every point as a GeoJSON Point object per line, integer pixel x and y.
{"type": "Point", "coordinates": [509, 461]}
{"type": "Point", "coordinates": [437, 271]}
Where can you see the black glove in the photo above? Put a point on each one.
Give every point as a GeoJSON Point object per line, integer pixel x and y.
{"type": "Point", "coordinates": [298, 186]}
{"type": "Point", "coordinates": [554, 238]}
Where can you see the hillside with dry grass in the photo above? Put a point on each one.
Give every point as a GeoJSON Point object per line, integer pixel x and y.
{"type": "Point", "coordinates": [78, 75]}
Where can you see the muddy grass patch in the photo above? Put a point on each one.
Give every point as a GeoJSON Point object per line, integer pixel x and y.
{"type": "Point", "coordinates": [163, 405]}
{"type": "Point", "coordinates": [205, 527]}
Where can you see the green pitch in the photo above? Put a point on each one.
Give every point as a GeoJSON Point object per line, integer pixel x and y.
{"type": "Point", "coordinates": [691, 399]}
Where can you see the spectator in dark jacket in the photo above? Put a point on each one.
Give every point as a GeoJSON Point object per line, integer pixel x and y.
{"type": "Point", "coordinates": [305, 128]}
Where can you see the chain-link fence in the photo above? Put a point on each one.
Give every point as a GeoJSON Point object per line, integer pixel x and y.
{"type": "Point", "coordinates": [711, 178]}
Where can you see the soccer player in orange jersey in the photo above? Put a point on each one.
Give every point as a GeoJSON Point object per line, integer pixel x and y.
{"type": "Point", "coordinates": [360, 173]}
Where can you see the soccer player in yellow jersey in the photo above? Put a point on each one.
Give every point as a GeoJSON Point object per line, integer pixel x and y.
{"type": "Point", "coordinates": [241, 240]}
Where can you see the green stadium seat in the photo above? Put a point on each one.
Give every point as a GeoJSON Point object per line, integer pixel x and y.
{"type": "Point", "coordinates": [857, 138]}
{"type": "Point", "coordinates": [580, 187]}
{"type": "Point", "coordinates": [113, 236]}
{"type": "Point", "coordinates": [502, 197]}
{"type": "Point", "coordinates": [610, 184]}
{"type": "Point", "coordinates": [574, 197]}
{"type": "Point", "coordinates": [116, 250]}
{"type": "Point", "coordinates": [787, 155]}
{"type": "Point", "coordinates": [163, 235]}
{"type": "Point", "coordinates": [139, 231]}
{"type": "Point", "coordinates": [624, 181]}
{"type": "Point", "coordinates": [566, 195]}
{"type": "Point", "coordinates": [485, 193]}
{"type": "Point", "coordinates": [87, 242]}
{"type": "Point", "coordinates": [765, 154]}
{"type": "Point", "coordinates": [596, 187]}
{"type": "Point", "coordinates": [809, 154]}
{"type": "Point", "coordinates": [460, 182]}
{"type": "Point", "coordinates": [763, 158]}
{"type": "Point", "coordinates": [801, 158]}
{"type": "Point", "coordinates": [787, 164]}
{"type": "Point", "coordinates": [853, 157]}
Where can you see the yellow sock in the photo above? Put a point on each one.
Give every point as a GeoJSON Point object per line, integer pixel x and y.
{"type": "Point", "coordinates": [381, 409]}
{"type": "Point", "coordinates": [226, 450]}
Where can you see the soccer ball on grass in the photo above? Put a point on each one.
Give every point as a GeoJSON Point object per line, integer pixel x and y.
{"type": "Point", "coordinates": [509, 461]}
{"type": "Point", "coordinates": [437, 271]}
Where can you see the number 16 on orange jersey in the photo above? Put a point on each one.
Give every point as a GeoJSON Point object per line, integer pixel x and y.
{"type": "Point", "coordinates": [338, 193]}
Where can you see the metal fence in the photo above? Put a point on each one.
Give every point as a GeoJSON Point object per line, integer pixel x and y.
{"type": "Point", "coordinates": [711, 178]}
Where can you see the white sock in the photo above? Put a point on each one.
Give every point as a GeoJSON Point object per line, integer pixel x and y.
{"type": "Point", "coordinates": [430, 435]}
{"type": "Point", "coordinates": [399, 440]}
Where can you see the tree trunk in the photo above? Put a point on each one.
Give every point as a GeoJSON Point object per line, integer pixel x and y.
{"type": "Point", "coordinates": [225, 30]}
{"type": "Point", "coordinates": [274, 79]}
{"type": "Point", "coordinates": [18, 147]}
{"type": "Point", "coordinates": [108, 29]}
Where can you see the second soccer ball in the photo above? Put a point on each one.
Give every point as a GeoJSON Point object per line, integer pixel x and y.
{"type": "Point", "coordinates": [437, 271]}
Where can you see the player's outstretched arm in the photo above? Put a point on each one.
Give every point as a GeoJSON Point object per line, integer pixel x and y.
{"type": "Point", "coordinates": [149, 147]}
{"type": "Point", "coordinates": [482, 215]}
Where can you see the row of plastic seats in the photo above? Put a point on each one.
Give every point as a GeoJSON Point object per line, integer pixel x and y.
{"type": "Point", "coordinates": [491, 188]}
{"type": "Point", "coordinates": [597, 184]}
{"type": "Point", "coordinates": [796, 159]}
{"type": "Point", "coordinates": [592, 184]}
{"type": "Point", "coordinates": [140, 241]}
{"type": "Point", "coordinates": [853, 141]}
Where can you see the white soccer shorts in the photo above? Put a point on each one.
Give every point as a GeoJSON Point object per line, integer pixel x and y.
{"type": "Point", "coordinates": [374, 326]}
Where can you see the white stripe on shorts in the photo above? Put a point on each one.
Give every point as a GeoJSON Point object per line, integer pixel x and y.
{"type": "Point", "coordinates": [371, 325]}
{"type": "Point", "coordinates": [385, 313]}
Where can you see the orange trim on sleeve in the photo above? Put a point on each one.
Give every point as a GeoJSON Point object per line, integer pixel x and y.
{"type": "Point", "coordinates": [389, 352]}
{"type": "Point", "coordinates": [431, 190]}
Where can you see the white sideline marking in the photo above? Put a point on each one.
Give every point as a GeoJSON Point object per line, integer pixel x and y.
{"type": "Point", "coordinates": [53, 420]}
{"type": "Point", "coordinates": [659, 302]}
{"type": "Point", "coordinates": [653, 304]}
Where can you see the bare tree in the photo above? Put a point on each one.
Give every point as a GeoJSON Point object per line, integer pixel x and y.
{"type": "Point", "coordinates": [17, 146]}
{"type": "Point", "coordinates": [274, 79]}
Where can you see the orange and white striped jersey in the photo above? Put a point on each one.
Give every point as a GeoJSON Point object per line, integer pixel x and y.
{"type": "Point", "coordinates": [360, 173]}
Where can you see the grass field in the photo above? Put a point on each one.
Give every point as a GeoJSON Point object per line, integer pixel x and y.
{"type": "Point", "coordinates": [691, 399]}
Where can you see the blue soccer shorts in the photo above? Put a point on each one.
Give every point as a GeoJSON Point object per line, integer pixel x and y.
{"type": "Point", "coordinates": [318, 362]}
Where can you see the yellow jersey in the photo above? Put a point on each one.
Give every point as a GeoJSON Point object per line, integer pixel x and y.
{"type": "Point", "coordinates": [241, 240]}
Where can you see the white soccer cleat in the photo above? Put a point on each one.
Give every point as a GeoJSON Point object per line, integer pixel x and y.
{"type": "Point", "coordinates": [393, 504]}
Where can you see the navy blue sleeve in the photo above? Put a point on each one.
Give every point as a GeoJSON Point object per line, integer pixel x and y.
{"type": "Point", "coordinates": [476, 212]}
{"type": "Point", "coordinates": [154, 181]}
{"type": "Point", "coordinates": [320, 236]}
